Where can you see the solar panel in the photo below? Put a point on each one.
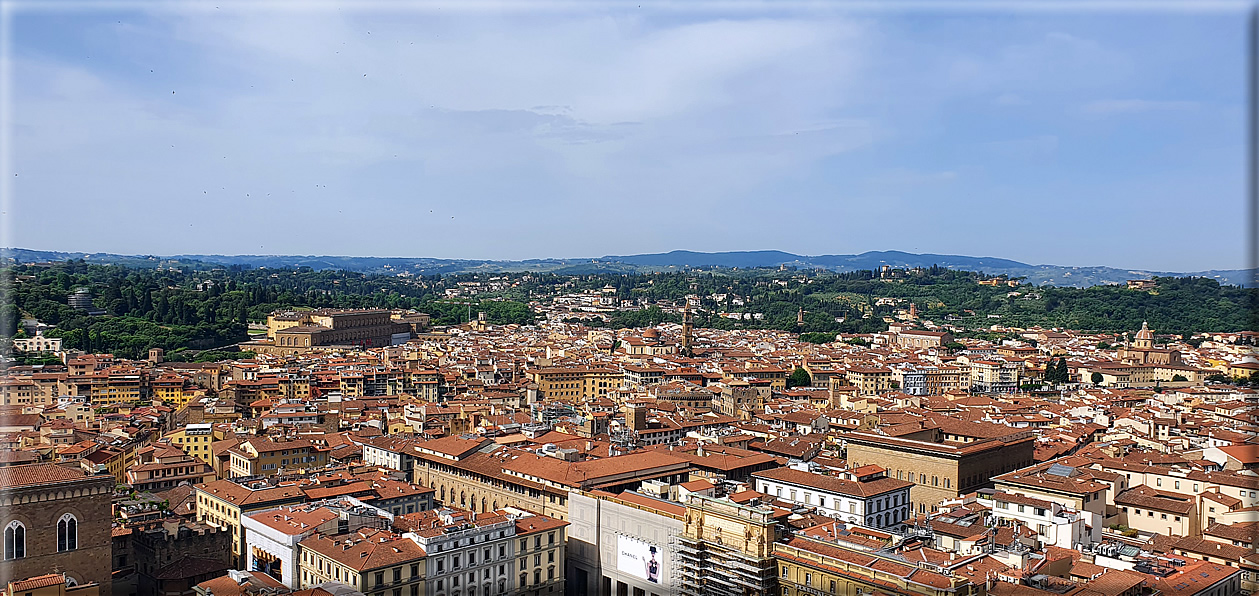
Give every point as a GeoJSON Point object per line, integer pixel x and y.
{"type": "Point", "coordinates": [1060, 470]}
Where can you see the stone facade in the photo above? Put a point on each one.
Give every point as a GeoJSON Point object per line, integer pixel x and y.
{"type": "Point", "coordinates": [37, 497]}
{"type": "Point", "coordinates": [940, 471]}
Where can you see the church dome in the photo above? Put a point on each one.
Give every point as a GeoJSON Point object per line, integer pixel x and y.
{"type": "Point", "coordinates": [651, 333]}
{"type": "Point", "coordinates": [1145, 332]}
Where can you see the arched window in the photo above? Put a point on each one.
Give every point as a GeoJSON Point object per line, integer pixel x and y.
{"type": "Point", "coordinates": [67, 533]}
{"type": "Point", "coordinates": [14, 541]}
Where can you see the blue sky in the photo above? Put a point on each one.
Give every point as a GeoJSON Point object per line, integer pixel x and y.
{"type": "Point", "coordinates": [1075, 138]}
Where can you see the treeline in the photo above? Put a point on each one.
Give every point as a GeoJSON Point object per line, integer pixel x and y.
{"type": "Point", "coordinates": [850, 302]}
{"type": "Point", "coordinates": [498, 312]}
{"type": "Point", "coordinates": [174, 309]}
{"type": "Point", "coordinates": [200, 310]}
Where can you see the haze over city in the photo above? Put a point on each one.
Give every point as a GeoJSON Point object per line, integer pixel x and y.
{"type": "Point", "coordinates": [1052, 136]}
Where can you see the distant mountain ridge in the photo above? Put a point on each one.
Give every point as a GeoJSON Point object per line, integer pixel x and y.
{"type": "Point", "coordinates": [1057, 275]}
{"type": "Point", "coordinates": [774, 258]}
{"type": "Point", "coordinates": [675, 260]}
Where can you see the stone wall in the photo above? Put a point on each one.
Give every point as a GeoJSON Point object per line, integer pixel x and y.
{"type": "Point", "coordinates": [40, 507]}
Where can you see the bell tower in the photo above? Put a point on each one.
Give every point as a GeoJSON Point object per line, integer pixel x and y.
{"type": "Point", "coordinates": [686, 328]}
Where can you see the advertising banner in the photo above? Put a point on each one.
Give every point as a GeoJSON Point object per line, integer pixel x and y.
{"type": "Point", "coordinates": [638, 558]}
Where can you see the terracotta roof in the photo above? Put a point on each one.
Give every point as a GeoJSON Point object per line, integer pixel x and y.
{"type": "Point", "coordinates": [32, 474]}
{"type": "Point", "coordinates": [365, 550]}
{"type": "Point", "coordinates": [832, 484]}
{"type": "Point", "coordinates": [1149, 498]}
{"type": "Point", "coordinates": [242, 496]}
{"type": "Point", "coordinates": [41, 581]}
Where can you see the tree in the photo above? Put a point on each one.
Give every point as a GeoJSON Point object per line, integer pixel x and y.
{"type": "Point", "coordinates": [1096, 378]}
{"type": "Point", "coordinates": [1101, 345]}
{"type": "Point", "coordinates": [1056, 371]}
{"type": "Point", "coordinates": [1179, 378]}
{"type": "Point", "coordinates": [799, 378]}
{"type": "Point", "coordinates": [1219, 378]}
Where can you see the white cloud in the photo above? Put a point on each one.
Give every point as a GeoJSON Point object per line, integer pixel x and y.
{"type": "Point", "coordinates": [624, 130]}
{"type": "Point", "coordinates": [496, 115]}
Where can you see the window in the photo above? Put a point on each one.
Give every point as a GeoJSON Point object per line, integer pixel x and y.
{"type": "Point", "coordinates": [808, 579]}
{"type": "Point", "coordinates": [380, 577]}
{"type": "Point", "coordinates": [550, 557]}
{"type": "Point", "coordinates": [550, 538]}
{"type": "Point", "coordinates": [415, 570]}
{"type": "Point", "coordinates": [67, 533]}
{"type": "Point", "coordinates": [14, 541]}
{"type": "Point", "coordinates": [784, 571]}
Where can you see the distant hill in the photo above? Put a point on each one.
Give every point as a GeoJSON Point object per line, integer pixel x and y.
{"type": "Point", "coordinates": [1038, 274]}
{"type": "Point", "coordinates": [774, 258]}
{"type": "Point", "coordinates": [679, 259]}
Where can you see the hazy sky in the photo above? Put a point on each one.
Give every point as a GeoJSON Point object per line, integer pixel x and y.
{"type": "Point", "coordinates": [1073, 138]}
